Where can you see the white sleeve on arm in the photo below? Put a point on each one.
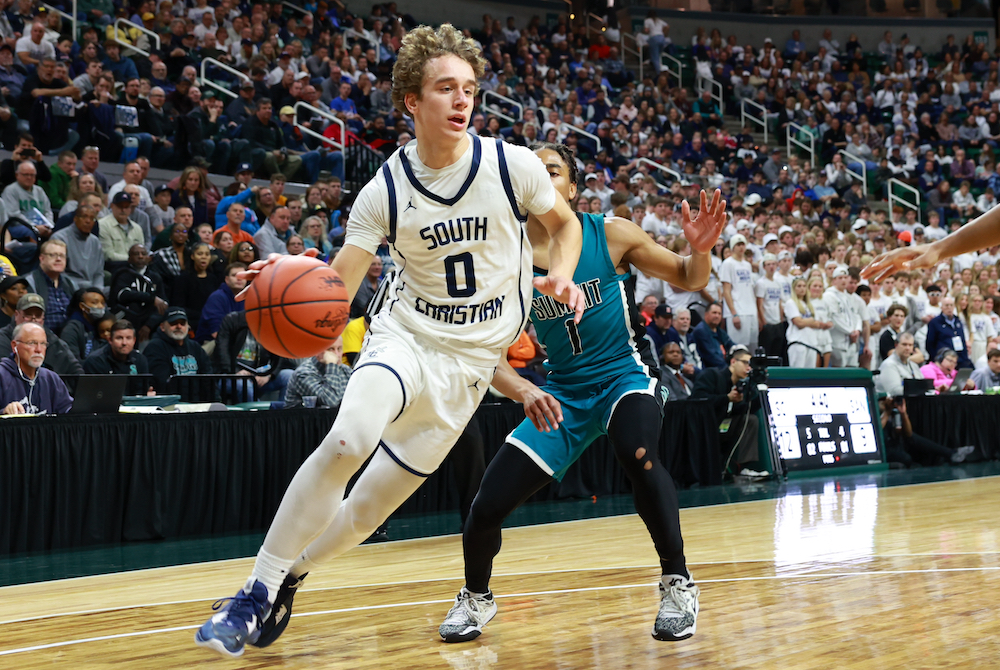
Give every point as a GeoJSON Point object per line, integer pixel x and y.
{"type": "Point", "coordinates": [530, 180]}
{"type": "Point", "coordinates": [369, 219]}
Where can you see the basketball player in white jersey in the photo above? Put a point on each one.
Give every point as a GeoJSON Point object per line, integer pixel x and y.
{"type": "Point", "coordinates": [452, 207]}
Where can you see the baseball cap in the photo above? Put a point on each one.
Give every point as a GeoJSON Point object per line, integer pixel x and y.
{"type": "Point", "coordinates": [244, 167]}
{"type": "Point", "coordinates": [287, 109]}
{"type": "Point", "coordinates": [736, 239]}
{"type": "Point", "coordinates": [746, 73]}
{"type": "Point", "coordinates": [121, 198]}
{"type": "Point", "coordinates": [785, 229]}
{"type": "Point", "coordinates": [637, 178]}
{"type": "Point", "coordinates": [247, 84]}
{"type": "Point", "coordinates": [590, 176]}
{"type": "Point", "coordinates": [831, 263]}
{"type": "Point", "coordinates": [859, 224]}
{"type": "Point", "coordinates": [29, 300]}
{"type": "Point", "coordinates": [664, 312]}
{"type": "Point", "coordinates": [770, 257]}
{"type": "Point", "coordinates": [7, 47]}
{"type": "Point", "coordinates": [162, 188]}
{"type": "Point", "coordinates": [285, 54]}
{"type": "Point", "coordinates": [753, 199]}
{"type": "Point", "coordinates": [148, 16]}
{"type": "Point", "coordinates": [12, 280]}
{"type": "Point", "coordinates": [770, 237]}
{"type": "Point", "coordinates": [175, 314]}
{"type": "Point", "coordinates": [905, 236]}
{"type": "Point", "coordinates": [933, 288]}
{"type": "Point", "coordinates": [918, 230]}
{"type": "Point", "coordinates": [840, 272]}
{"type": "Point", "coordinates": [782, 255]}
{"type": "Point", "coordinates": [743, 223]}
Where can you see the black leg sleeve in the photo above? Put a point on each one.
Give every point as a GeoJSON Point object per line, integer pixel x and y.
{"type": "Point", "coordinates": [635, 432]}
{"type": "Point", "coordinates": [470, 463]}
{"type": "Point", "coordinates": [510, 479]}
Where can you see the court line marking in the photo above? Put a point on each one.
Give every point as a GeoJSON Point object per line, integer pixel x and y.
{"type": "Point", "coordinates": [157, 631]}
{"type": "Point", "coordinates": [321, 589]}
{"type": "Point", "coordinates": [509, 529]}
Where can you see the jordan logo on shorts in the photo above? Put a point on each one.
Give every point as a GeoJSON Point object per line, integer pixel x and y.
{"type": "Point", "coordinates": [409, 207]}
{"type": "Point", "coordinates": [476, 385]}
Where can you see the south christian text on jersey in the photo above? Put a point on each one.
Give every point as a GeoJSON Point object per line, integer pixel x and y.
{"type": "Point", "coordinates": [457, 237]}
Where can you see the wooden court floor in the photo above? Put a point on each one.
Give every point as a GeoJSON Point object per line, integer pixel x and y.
{"type": "Point", "coordinates": [905, 577]}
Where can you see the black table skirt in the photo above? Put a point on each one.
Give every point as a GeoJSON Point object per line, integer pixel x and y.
{"type": "Point", "coordinates": [78, 481]}
{"type": "Point", "coordinates": [956, 421]}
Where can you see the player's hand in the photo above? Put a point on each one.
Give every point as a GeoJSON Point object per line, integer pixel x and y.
{"type": "Point", "coordinates": [904, 258]}
{"type": "Point", "coordinates": [251, 273]}
{"type": "Point", "coordinates": [704, 231]}
{"type": "Point", "coordinates": [563, 290]}
{"type": "Point", "coordinates": [17, 408]}
{"type": "Point", "coordinates": [542, 409]}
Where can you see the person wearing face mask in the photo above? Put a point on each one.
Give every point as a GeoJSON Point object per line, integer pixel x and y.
{"type": "Point", "coordinates": [86, 308]}
{"type": "Point", "coordinates": [25, 386]}
{"type": "Point", "coordinates": [171, 352]}
{"type": "Point", "coordinates": [139, 292]}
{"type": "Point", "coordinates": [322, 377]}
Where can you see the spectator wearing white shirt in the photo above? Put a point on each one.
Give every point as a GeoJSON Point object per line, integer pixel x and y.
{"type": "Point", "coordinates": [655, 222]}
{"type": "Point", "coordinates": [738, 296]}
{"type": "Point", "coordinates": [965, 201]}
{"type": "Point", "coordinates": [770, 314]}
{"type": "Point", "coordinates": [846, 329]}
{"type": "Point", "coordinates": [986, 201]}
{"type": "Point", "coordinates": [33, 47]}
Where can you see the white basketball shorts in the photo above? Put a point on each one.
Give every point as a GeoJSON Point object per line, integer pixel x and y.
{"type": "Point", "coordinates": [442, 388]}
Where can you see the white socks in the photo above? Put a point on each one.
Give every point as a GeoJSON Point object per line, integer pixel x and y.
{"type": "Point", "coordinates": [270, 571]}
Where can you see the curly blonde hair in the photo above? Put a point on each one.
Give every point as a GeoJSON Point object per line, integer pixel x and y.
{"type": "Point", "coordinates": [422, 45]}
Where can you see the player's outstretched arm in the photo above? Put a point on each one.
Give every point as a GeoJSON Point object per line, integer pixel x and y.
{"type": "Point", "coordinates": [627, 242]}
{"type": "Point", "coordinates": [541, 408]}
{"type": "Point", "coordinates": [352, 264]}
{"type": "Point", "coordinates": [979, 234]}
{"type": "Point", "coordinates": [565, 244]}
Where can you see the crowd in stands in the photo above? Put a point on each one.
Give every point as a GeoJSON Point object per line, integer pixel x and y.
{"type": "Point", "coordinates": [132, 275]}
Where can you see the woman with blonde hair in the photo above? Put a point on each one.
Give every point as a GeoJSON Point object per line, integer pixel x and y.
{"type": "Point", "coordinates": [191, 193]}
{"type": "Point", "coordinates": [313, 232]}
{"type": "Point", "coordinates": [980, 327]}
{"type": "Point", "coordinates": [824, 343]}
{"type": "Point", "coordinates": [803, 327]}
{"type": "Point", "coordinates": [79, 186]}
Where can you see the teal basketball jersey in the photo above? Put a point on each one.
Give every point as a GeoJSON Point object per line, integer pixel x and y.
{"type": "Point", "coordinates": [610, 339]}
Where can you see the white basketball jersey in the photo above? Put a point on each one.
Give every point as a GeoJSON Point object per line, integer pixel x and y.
{"type": "Point", "coordinates": [457, 237]}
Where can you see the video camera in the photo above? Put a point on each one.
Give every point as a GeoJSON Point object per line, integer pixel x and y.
{"type": "Point", "coordinates": [759, 363]}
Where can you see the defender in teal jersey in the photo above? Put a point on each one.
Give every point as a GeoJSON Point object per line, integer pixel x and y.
{"type": "Point", "coordinates": [602, 380]}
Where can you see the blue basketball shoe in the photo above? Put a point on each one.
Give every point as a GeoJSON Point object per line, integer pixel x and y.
{"type": "Point", "coordinates": [238, 621]}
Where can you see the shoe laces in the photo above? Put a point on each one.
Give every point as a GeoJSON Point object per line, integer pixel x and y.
{"type": "Point", "coordinates": [467, 602]}
{"type": "Point", "coordinates": [242, 605]}
{"type": "Point", "coordinates": [678, 599]}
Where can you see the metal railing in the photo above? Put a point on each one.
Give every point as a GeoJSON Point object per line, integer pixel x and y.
{"type": "Point", "coordinates": [863, 175]}
{"type": "Point", "coordinates": [569, 11]}
{"type": "Point", "coordinates": [320, 136]}
{"type": "Point", "coordinates": [714, 89]}
{"type": "Point", "coordinates": [793, 129]}
{"type": "Point", "coordinates": [666, 60]}
{"type": "Point", "coordinates": [373, 42]}
{"type": "Point", "coordinates": [141, 29]}
{"type": "Point", "coordinates": [205, 81]}
{"type": "Point", "coordinates": [581, 131]}
{"type": "Point", "coordinates": [63, 14]}
{"type": "Point", "coordinates": [361, 162]}
{"type": "Point", "coordinates": [624, 49]}
{"type": "Point", "coordinates": [600, 21]}
{"type": "Point", "coordinates": [498, 110]}
{"type": "Point", "coordinates": [296, 8]}
{"type": "Point", "coordinates": [893, 198]}
{"type": "Point", "coordinates": [677, 176]}
{"type": "Point", "coordinates": [744, 115]}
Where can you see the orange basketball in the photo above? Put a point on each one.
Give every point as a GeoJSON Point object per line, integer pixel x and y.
{"type": "Point", "coordinates": [297, 306]}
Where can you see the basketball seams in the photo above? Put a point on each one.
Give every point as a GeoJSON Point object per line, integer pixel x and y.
{"type": "Point", "coordinates": [288, 312]}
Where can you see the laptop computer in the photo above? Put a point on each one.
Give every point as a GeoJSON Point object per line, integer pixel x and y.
{"type": "Point", "coordinates": [98, 394]}
{"type": "Point", "coordinates": [961, 378]}
{"type": "Point", "coordinates": [917, 387]}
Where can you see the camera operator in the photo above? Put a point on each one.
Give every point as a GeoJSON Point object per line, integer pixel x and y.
{"type": "Point", "coordinates": [902, 445]}
{"type": "Point", "coordinates": [735, 401]}
{"type": "Point", "coordinates": [24, 151]}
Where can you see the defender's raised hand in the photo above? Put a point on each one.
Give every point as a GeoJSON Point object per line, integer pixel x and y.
{"type": "Point", "coordinates": [703, 232]}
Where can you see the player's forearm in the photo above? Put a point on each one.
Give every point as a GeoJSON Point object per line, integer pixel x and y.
{"type": "Point", "coordinates": [981, 233]}
{"type": "Point", "coordinates": [352, 264]}
{"type": "Point", "coordinates": [508, 382]}
{"type": "Point", "coordinates": [565, 245]}
{"type": "Point", "coordinates": [697, 268]}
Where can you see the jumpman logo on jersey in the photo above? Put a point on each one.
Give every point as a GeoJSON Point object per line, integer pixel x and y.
{"type": "Point", "coordinates": [409, 207]}
{"type": "Point", "coordinates": [476, 385]}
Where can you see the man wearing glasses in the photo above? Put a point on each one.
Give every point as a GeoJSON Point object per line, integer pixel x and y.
{"type": "Point", "coordinates": [50, 282]}
{"type": "Point", "coordinates": [25, 386]}
{"type": "Point", "coordinates": [735, 405]}
{"type": "Point", "coordinates": [57, 355]}
{"type": "Point", "coordinates": [118, 233]}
